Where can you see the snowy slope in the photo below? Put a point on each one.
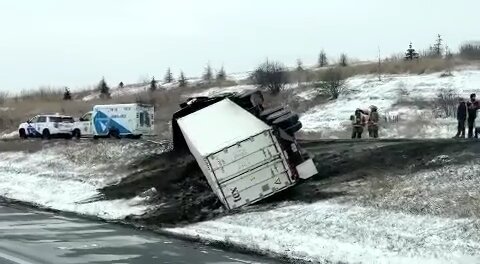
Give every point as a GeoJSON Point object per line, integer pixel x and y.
{"type": "Point", "coordinates": [351, 230]}
{"type": "Point", "coordinates": [368, 90]}
{"type": "Point", "coordinates": [66, 177]}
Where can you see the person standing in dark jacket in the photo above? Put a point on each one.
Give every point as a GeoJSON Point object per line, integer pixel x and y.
{"type": "Point", "coordinates": [461, 118]}
{"type": "Point", "coordinates": [472, 107]}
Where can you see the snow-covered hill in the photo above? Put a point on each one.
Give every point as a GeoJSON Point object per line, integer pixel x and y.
{"type": "Point", "coordinates": [405, 96]}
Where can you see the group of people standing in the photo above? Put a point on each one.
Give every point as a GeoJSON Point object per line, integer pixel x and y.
{"type": "Point", "coordinates": [363, 118]}
{"type": "Point", "coordinates": [467, 113]}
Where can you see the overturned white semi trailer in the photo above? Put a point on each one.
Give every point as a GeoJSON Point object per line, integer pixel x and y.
{"type": "Point", "coordinates": [243, 157]}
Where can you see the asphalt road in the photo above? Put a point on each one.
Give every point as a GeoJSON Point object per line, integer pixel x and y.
{"type": "Point", "coordinates": [30, 236]}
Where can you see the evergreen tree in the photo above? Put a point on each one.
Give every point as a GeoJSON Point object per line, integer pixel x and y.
{"type": "Point", "coordinates": [104, 89]}
{"type": "Point", "coordinates": [153, 85]}
{"type": "Point", "coordinates": [182, 81]}
{"type": "Point", "coordinates": [208, 75]}
{"type": "Point", "coordinates": [411, 53]}
{"type": "Point", "coordinates": [120, 85]}
{"type": "Point", "coordinates": [67, 95]}
{"type": "Point", "coordinates": [221, 75]}
{"type": "Point", "coordinates": [299, 66]}
{"type": "Point", "coordinates": [343, 60]}
{"type": "Point", "coordinates": [300, 71]}
{"type": "Point", "coordinates": [437, 47]}
{"type": "Point", "coordinates": [168, 76]}
{"type": "Point", "coordinates": [322, 59]}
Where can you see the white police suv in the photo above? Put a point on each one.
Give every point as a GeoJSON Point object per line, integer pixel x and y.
{"type": "Point", "coordinates": [47, 126]}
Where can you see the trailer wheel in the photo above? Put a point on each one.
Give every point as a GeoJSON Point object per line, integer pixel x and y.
{"type": "Point", "coordinates": [265, 113]}
{"type": "Point", "coordinates": [77, 134]}
{"type": "Point", "coordinates": [22, 133]}
{"type": "Point", "coordinates": [286, 121]}
{"type": "Point", "coordinates": [292, 129]}
{"type": "Point", "coordinates": [276, 115]}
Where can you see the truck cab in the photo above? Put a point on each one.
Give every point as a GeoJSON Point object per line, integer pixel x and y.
{"type": "Point", "coordinates": [83, 127]}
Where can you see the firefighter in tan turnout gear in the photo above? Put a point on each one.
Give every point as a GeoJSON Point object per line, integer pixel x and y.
{"type": "Point", "coordinates": [373, 122]}
{"type": "Point", "coordinates": [358, 123]}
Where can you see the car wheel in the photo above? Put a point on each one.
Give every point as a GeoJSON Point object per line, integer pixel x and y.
{"type": "Point", "coordinates": [46, 134]}
{"type": "Point", "coordinates": [114, 134]}
{"type": "Point", "coordinates": [77, 134]}
{"type": "Point", "coordinates": [22, 133]}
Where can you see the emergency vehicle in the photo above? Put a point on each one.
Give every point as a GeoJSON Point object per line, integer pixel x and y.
{"type": "Point", "coordinates": [119, 120]}
{"type": "Point", "coordinates": [47, 126]}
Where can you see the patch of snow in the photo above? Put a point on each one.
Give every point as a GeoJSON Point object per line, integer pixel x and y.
{"type": "Point", "coordinates": [368, 90]}
{"type": "Point", "coordinates": [333, 232]}
{"type": "Point", "coordinates": [50, 179]}
{"type": "Point", "coordinates": [13, 134]}
{"type": "Point", "coordinates": [217, 90]}
{"type": "Point", "coordinates": [4, 109]}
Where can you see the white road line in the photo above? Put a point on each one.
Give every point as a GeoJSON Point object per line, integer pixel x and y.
{"type": "Point", "coordinates": [14, 259]}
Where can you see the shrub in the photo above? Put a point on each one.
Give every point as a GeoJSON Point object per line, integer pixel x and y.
{"type": "Point", "coordinates": [3, 97]}
{"type": "Point", "coordinates": [67, 95]}
{"type": "Point", "coordinates": [271, 76]}
{"type": "Point", "coordinates": [332, 82]}
{"type": "Point", "coordinates": [446, 102]}
{"type": "Point", "coordinates": [470, 51]}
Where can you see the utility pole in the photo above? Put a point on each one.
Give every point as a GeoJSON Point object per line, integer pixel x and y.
{"type": "Point", "coordinates": [379, 65]}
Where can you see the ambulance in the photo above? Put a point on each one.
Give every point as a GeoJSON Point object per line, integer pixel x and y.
{"type": "Point", "coordinates": [116, 121]}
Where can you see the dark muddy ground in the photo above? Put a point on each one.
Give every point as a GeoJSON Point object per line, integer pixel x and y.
{"type": "Point", "coordinates": [183, 196]}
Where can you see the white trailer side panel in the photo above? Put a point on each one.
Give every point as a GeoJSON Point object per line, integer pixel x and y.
{"type": "Point", "coordinates": [218, 126]}
{"type": "Point", "coordinates": [256, 184]}
{"type": "Point", "coordinates": [238, 154]}
{"type": "Point", "coordinates": [243, 156]}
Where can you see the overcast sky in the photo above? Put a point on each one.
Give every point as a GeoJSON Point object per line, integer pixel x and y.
{"type": "Point", "coordinates": [76, 42]}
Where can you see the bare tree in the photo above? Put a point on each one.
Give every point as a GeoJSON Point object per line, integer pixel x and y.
{"type": "Point", "coordinates": [470, 51]}
{"type": "Point", "coordinates": [322, 59]}
{"type": "Point", "coordinates": [270, 75]}
{"type": "Point", "coordinates": [3, 97]}
{"type": "Point", "coordinates": [343, 60]}
{"type": "Point", "coordinates": [332, 83]}
{"type": "Point", "coordinates": [446, 102]}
